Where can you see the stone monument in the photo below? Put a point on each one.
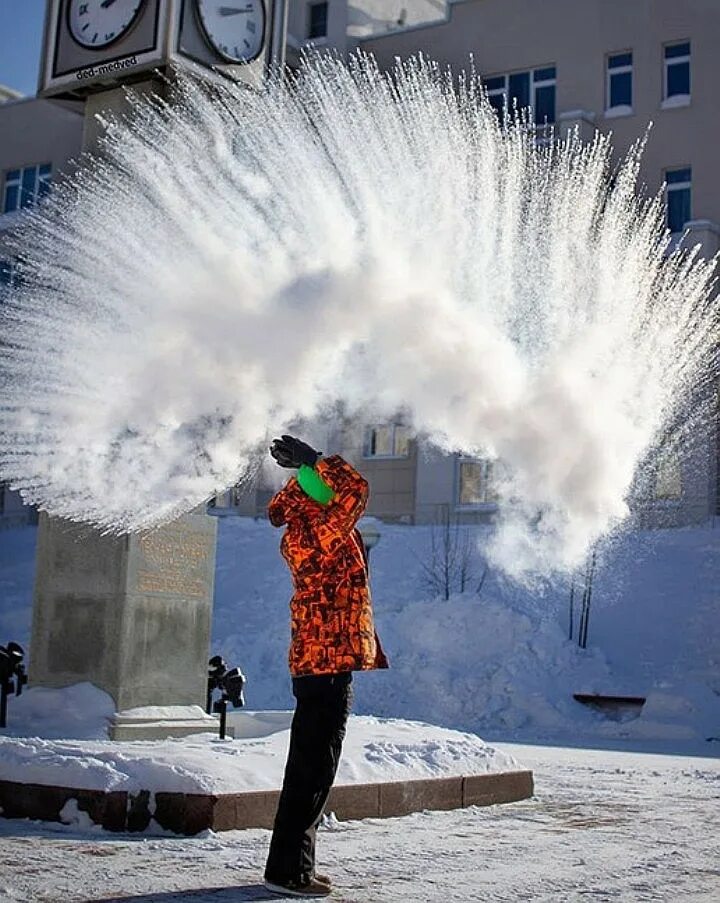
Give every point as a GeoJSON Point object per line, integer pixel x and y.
{"type": "Point", "coordinates": [131, 614]}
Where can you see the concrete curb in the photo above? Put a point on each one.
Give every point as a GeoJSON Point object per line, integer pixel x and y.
{"type": "Point", "coordinates": [190, 813]}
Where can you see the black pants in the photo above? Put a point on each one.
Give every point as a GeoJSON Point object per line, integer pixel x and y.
{"type": "Point", "coordinates": [316, 737]}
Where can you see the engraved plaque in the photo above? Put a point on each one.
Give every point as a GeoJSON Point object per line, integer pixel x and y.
{"type": "Point", "coordinates": [173, 561]}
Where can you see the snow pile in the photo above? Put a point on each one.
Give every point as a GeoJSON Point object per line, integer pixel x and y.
{"type": "Point", "coordinates": [81, 711]}
{"type": "Point", "coordinates": [71, 814]}
{"type": "Point", "coordinates": [375, 750]}
{"type": "Point", "coordinates": [657, 608]}
{"type": "Point", "coordinates": [484, 666]}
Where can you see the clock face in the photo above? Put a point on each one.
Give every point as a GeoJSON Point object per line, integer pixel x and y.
{"type": "Point", "coordinates": [234, 28]}
{"type": "Point", "coordinates": [97, 23]}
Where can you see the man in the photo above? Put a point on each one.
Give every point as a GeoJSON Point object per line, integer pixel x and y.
{"type": "Point", "coordinates": [332, 636]}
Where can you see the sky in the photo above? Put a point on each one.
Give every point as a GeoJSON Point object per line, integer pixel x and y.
{"type": "Point", "coordinates": [21, 26]}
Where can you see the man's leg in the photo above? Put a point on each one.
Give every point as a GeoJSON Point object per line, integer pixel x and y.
{"type": "Point", "coordinates": [316, 737]}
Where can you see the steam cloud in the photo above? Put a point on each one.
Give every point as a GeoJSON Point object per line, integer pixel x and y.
{"type": "Point", "coordinates": [235, 261]}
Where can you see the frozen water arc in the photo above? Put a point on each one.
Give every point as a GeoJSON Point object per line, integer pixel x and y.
{"type": "Point", "coordinates": [236, 260]}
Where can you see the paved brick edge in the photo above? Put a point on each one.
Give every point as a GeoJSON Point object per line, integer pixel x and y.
{"type": "Point", "coordinates": [190, 813]}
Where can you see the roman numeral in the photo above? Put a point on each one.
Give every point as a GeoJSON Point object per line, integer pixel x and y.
{"type": "Point", "coordinates": [251, 26]}
{"type": "Point", "coordinates": [83, 11]}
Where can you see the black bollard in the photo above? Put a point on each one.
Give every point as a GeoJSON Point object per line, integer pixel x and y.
{"type": "Point", "coordinates": [230, 683]}
{"type": "Point", "coordinates": [12, 676]}
{"type": "Point", "coordinates": [3, 703]}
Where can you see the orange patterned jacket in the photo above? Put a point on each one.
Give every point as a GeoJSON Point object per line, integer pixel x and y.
{"type": "Point", "coordinates": [331, 611]}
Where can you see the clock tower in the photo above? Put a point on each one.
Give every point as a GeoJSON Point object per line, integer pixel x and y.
{"type": "Point", "coordinates": [132, 614]}
{"type": "Point", "coordinates": [94, 45]}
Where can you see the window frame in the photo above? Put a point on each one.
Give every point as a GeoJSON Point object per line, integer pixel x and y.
{"type": "Point", "coordinates": [668, 62]}
{"type": "Point", "coordinates": [8, 273]}
{"type": "Point", "coordinates": [309, 30]}
{"type": "Point", "coordinates": [672, 187]}
{"type": "Point", "coordinates": [534, 84]}
{"type": "Point", "coordinates": [393, 455]}
{"type": "Point", "coordinates": [667, 485]}
{"type": "Point", "coordinates": [489, 501]}
{"type": "Point", "coordinates": [497, 92]}
{"type": "Point", "coordinates": [611, 71]}
{"type": "Point", "coordinates": [15, 177]}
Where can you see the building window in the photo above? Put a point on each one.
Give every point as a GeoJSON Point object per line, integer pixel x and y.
{"type": "Point", "coordinates": [668, 476]}
{"type": "Point", "coordinates": [25, 186]}
{"type": "Point", "coordinates": [475, 482]}
{"type": "Point", "coordinates": [7, 273]}
{"type": "Point", "coordinates": [677, 71]}
{"type": "Point", "coordinates": [520, 90]}
{"type": "Point", "coordinates": [318, 20]}
{"type": "Point", "coordinates": [387, 440]}
{"type": "Point", "coordinates": [619, 82]}
{"type": "Point", "coordinates": [496, 88]}
{"type": "Point", "coordinates": [678, 183]}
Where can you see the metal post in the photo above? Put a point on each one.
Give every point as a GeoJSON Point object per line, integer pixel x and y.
{"type": "Point", "coordinates": [3, 703]}
{"type": "Point", "coordinates": [279, 34]}
{"type": "Point", "coordinates": [223, 715]}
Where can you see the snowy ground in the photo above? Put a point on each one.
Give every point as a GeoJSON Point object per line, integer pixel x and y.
{"type": "Point", "coordinates": [604, 826]}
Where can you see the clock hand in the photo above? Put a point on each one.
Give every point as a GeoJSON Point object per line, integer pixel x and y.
{"type": "Point", "coordinates": [233, 10]}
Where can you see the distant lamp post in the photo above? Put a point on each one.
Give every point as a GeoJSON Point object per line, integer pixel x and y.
{"type": "Point", "coordinates": [370, 537]}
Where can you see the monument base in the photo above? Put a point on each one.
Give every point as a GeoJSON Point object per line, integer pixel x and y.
{"type": "Point", "coordinates": [190, 813]}
{"type": "Point", "coordinates": [160, 722]}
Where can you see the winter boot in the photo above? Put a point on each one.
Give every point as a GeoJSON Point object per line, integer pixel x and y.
{"type": "Point", "coordinates": [313, 887]}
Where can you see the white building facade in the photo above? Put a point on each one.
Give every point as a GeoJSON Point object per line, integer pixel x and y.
{"type": "Point", "coordinates": [38, 141]}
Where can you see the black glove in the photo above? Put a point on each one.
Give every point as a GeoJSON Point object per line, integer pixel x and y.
{"type": "Point", "coordinates": [292, 452]}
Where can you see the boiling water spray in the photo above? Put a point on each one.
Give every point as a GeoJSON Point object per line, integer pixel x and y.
{"type": "Point", "coordinates": [234, 261]}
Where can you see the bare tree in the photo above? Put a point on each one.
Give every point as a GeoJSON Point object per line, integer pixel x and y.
{"type": "Point", "coordinates": [587, 580]}
{"type": "Point", "coordinates": [449, 566]}
{"type": "Point", "coordinates": [481, 581]}
{"type": "Point", "coordinates": [586, 599]}
{"type": "Point", "coordinates": [572, 608]}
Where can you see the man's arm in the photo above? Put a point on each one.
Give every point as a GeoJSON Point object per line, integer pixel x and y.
{"type": "Point", "coordinates": [336, 521]}
{"type": "Point", "coordinates": [339, 489]}
{"type": "Point", "coordinates": [313, 485]}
